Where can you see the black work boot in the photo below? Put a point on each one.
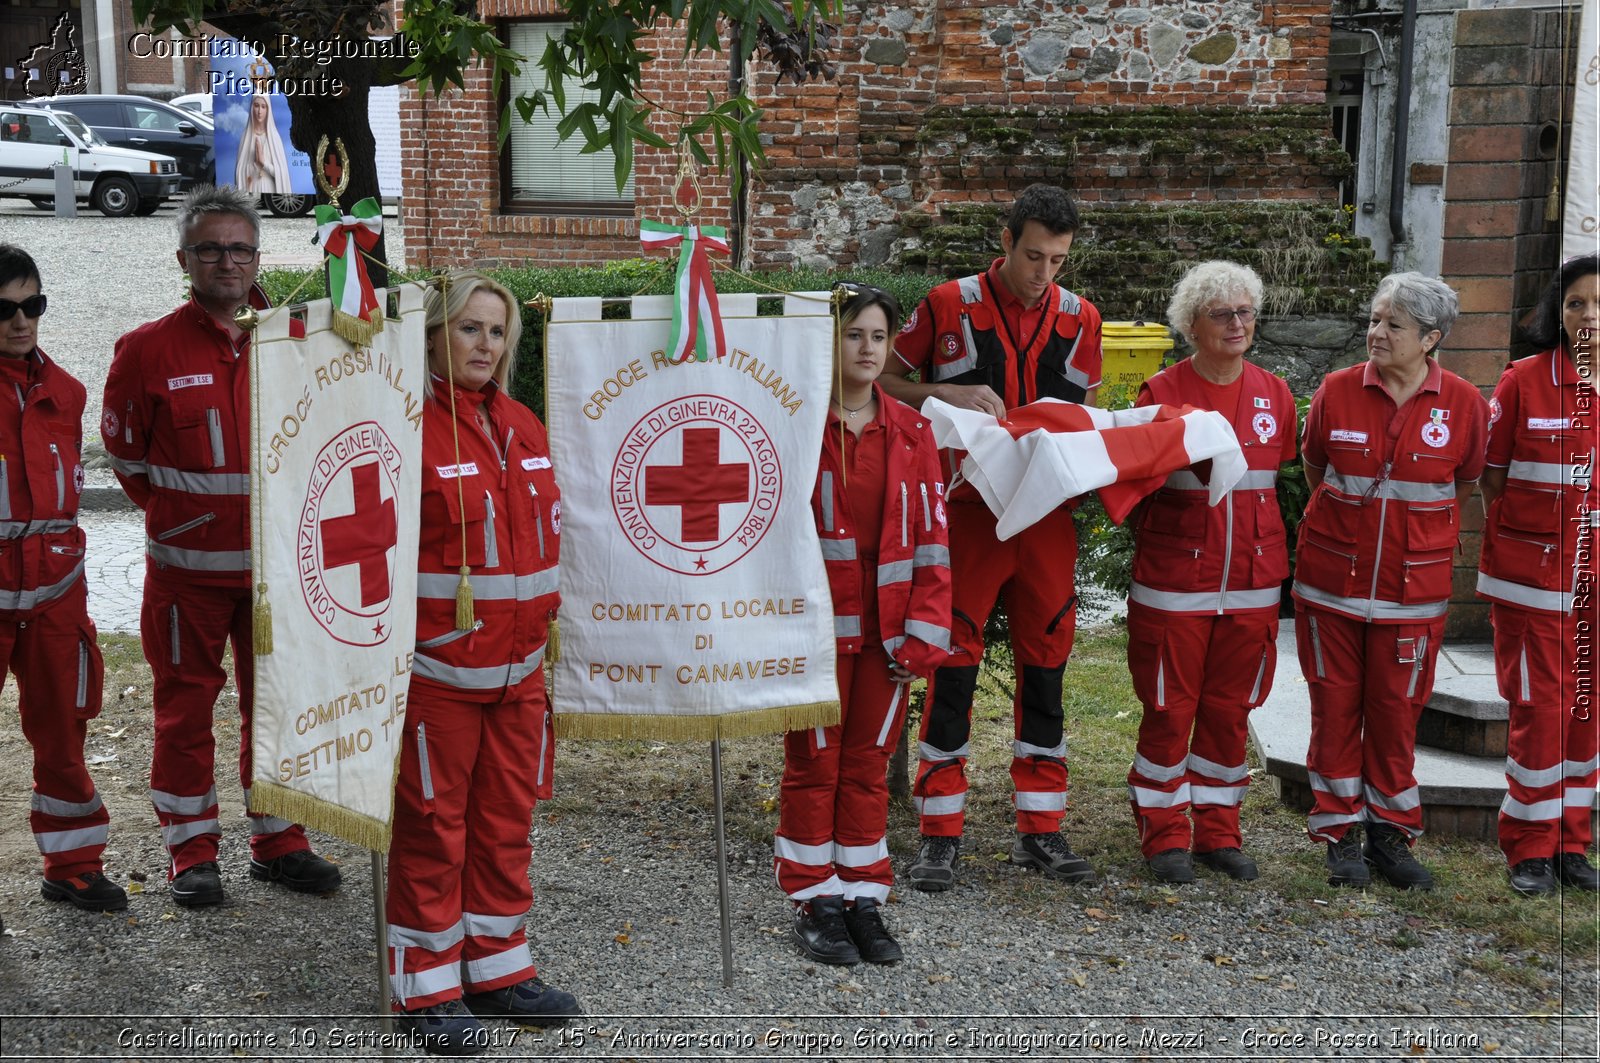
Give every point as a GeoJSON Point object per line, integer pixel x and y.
{"type": "Point", "coordinates": [1345, 866]}
{"type": "Point", "coordinates": [1389, 852]}
{"type": "Point", "coordinates": [1172, 865]}
{"type": "Point", "coordinates": [820, 932]}
{"type": "Point", "coordinates": [872, 938]}
{"type": "Point", "coordinates": [1050, 854]}
{"type": "Point", "coordinates": [1235, 863]}
{"type": "Point", "coordinates": [1535, 877]}
{"type": "Point", "coordinates": [1574, 869]}
{"type": "Point", "coordinates": [91, 891]}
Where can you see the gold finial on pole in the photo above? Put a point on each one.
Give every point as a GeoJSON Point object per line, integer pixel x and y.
{"type": "Point", "coordinates": [332, 186]}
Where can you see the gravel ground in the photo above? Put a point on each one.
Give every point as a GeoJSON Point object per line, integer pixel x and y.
{"type": "Point", "coordinates": [1004, 966]}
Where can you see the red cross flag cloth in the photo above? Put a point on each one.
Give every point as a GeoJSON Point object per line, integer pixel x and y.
{"type": "Point", "coordinates": [1049, 451]}
{"type": "Point", "coordinates": [694, 603]}
{"type": "Point", "coordinates": [335, 489]}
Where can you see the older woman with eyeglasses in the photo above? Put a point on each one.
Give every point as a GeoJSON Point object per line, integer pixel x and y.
{"type": "Point", "coordinates": [1392, 450]}
{"type": "Point", "coordinates": [1203, 609]}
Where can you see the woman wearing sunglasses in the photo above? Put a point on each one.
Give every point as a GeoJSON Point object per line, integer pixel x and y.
{"type": "Point", "coordinates": [1392, 449]}
{"type": "Point", "coordinates": [46, 637]}
{"type": "Point", "coordinates": [1203, 608]}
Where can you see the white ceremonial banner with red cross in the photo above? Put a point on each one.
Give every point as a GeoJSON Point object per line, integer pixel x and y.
{"type": "Point", "coordinates": [336, 488]}
{"type": "Point", "coordinates": [694, 603]}
{"type": "Point", "coordinates": [1581, 231]}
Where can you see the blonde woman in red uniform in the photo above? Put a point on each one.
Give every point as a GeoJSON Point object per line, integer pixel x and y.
{"type": "Point", "coordinates": [1203, 609]}
{"type": "Point", "coordinates": [477, 752]}
{"type": "Point", "coordinates": [1538, 570]}
{"type": "Point", "coordinates": [879, 507]}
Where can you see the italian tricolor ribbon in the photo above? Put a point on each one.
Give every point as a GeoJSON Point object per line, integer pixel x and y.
{"type": "Point", "coordinates": [343, 238]}
{"type": "Point", "coordinates": [696, 317]}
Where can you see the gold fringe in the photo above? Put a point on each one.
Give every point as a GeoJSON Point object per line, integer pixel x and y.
{"type": "Point", "coordinates": [552, 643]}
{"type": "Point", "coordinates": [696, 728]}
{"type": "Point", "coordinates": [464, 617]}
{"type": "Point", "coordinates": [273, 799]}
{"type": "Point", "coordinates": [261, 622]}
{"type": "Point", "coordinates": [358, 330]}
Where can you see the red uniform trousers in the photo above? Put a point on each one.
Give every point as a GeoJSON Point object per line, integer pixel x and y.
{"type": "Point", "coordinates": [1035, 569]}
{"type": "Point", "coordinates": [1198, 677]}
{"type": "Point", "coordinates": [1368, 684]}
{"type": "Point", "coordinates": [470, 775]}
{"type": "Point", "coordinates": [185, 628]}
{"type": "Point", "coordinates": [833, 807]}
{"type": "Point", "coordinates": [55, 656]}
{"type": "Point", "coordinates": [1550, 752]}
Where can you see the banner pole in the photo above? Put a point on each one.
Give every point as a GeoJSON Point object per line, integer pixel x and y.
{"type": "Point", "coordinates": [380, 923]}
{"type": "Point", "coordinates": [722, 863]}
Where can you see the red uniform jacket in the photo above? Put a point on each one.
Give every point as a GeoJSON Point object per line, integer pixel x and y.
{"type": "Point", "coordinates": [1380, 532]}
{"type": "Point", "coordinates": [913, 581]}
{"type": "Point", "coordinates": [176, 425]}
{"type": "Point", "coordinates": [1542, 432]}
{"type": "Point", "coordinates": [41, 477]}
{"type": "Point", "coordinates": [1195, 558]}
{"type": "Point", "coordinates": [503, 487]}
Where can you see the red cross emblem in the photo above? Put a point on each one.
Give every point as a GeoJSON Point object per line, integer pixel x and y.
{"type": "Point", "coordinates": [699, 486]}
{"type": "Point", "coordinates": [364, 537]}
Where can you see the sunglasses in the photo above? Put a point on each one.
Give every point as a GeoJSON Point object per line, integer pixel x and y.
{"type": "Point", "coordinates": [32, 307]}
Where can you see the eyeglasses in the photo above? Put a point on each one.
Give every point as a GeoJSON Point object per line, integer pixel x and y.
{"type": "Point", "coordinates": [31, 307]}
{"type": "Point", "coordinates": [1245, 314]}
{"type": "Point", "coordinates": [211, 254]}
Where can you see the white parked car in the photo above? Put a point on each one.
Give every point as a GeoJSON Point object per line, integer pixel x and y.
{"type": "Point", "coordinates": [116, 181]}
{"type": "Point", "coordinates": [198, 102]}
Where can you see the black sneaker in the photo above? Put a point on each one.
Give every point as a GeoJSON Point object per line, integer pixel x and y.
{"type": "Point", "coordinates": [1049, 854]}
{"type": "Point", "coordinates": [820, 932]}
{"type": "Point", "coordinates": [447, 1029]}
{"type": "Point", "coordinates": [934, 868]}
{"type": "Point", "coordinates": [1574, 869]}
{"type": "Point", "coordinates": [529, 1002]}
{"type": "Point", "coordinates": [871, 937]}
{"type": "Point", "coordinates": [1535, 877]}
{"type": "Point", "coordinates": [1345, 866]}
{"type": "Point", "coordinates": [1235, 863]}
{"type": "Point", "coordinates": [1172, 865]}
{"type": "Point", "coordinates": [302, 871]}
{"type": "Point", "coordinates": [197, 885]}
{"type": "Point", "coordinates": [91, 891]}
{"type": "Point", "coordinates": [1389, 853]}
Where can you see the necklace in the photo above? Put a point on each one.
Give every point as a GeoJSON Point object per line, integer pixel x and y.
{"type": "Point", "coordinates": [852, 413]}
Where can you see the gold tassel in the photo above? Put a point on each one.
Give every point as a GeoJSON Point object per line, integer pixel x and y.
{"type": "Point", "coordinates": [1552, 203]}
{"type": "Point", "coordinates": [552, 643]}
{"type": "Point", "coordinates": [261, 622]}
{"type": "Point", "coordinates": [464, 617]}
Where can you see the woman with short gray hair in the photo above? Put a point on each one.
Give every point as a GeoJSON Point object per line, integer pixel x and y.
{"type": "Point", "coordinates": [1203, 608]}
{"type": "Point", "coordinates": [1392, 449]}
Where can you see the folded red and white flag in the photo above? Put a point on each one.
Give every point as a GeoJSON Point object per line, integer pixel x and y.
{"type": "Point", "coordinates": [1049, 451]}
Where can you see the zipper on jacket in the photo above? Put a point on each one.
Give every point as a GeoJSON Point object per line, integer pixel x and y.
{"type": "Point", "coordinates": [491, 549]}
{"type": "Point", "coordinates": [449, 637]}
{"type": "Point", "coordinates": [1407, 566]}
{"type": "Point", "coordinates": [83, 674]}
{"type": "Point", "coordinates": [66, 551]}
{"type": "Point", "coordinates": [172, 633]}
{"type": "Point", "coordinates": [1336, 553]}
{"type": "Point", "coordinates": [1316, 646]}
{"type": "Point", "coordinates": [1377, 557]}
{"type": "Point", "coordinates": [61, 478]}
{"type": "Point", "coordinates": [538, 527]}
{"type": "Point", "coordinates": [422, 762]}
{"type": "Point", "coordinates": [927, 514]}
{"type": "Point", "coordinates": [1417, 455]}
{"type": "Point", "coordinates": [22, 401]}
{"type": "Point", "coordinates": [905, 536]}
{"type": "Point", "coordinates": [187, 525]}
{"type": "Point", "coordinates": [127, 424]}
{"type": "Point", "coordinates": [214, 424]}
{"type": "Point", "coordinates": [1227, 554]}
{"type": "Point", "coordinates": [5, 489]}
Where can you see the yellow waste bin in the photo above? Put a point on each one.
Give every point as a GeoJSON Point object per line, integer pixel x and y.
{"type": "Point", "coordinates": [1131, 353]}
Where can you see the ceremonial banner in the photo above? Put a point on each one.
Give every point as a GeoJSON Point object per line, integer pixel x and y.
{"type": "Point", "coordinates": [1049, 451]}
{"type": "Point", "coordinates": [1580, 235]}
{"type": "Point", "coordinates": [334, 502]}
{"type": "Point", "coordinates": [694, 603]}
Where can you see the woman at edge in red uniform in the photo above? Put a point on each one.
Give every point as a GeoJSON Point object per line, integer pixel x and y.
{"type": "Point", "coordinates": [1392, 449]}
{"type": "Point", "coordinates": [879, 507]}
{"type": "Point", "coordinates": [1207, 581]}
{"type": "Point", "coordinates": [1538, 571]}
{"type": "Point", "coordinates": [477, 750]}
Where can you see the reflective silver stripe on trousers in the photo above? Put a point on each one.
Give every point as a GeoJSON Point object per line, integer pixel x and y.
{"type": "Point", "coordinates": [408, 985]}
{"type": "Point", "coordinates": [488, 968]}
{"type": "Point", "coordinates": [199, 560]}
{"type": "Point", "coordinates": [1519, 594]}
{"type": "Point", "coordinates": [940, 806]}
{"type": "Point", "coordinates": [1149, 769]}
{"type": "Point", "coordinates": [174, 805]}
{"type": "Point", "coordinates": [1212, 770]}
{"type": "Point", "coordinates": [838, 549]}
{"type": "Point", "coordinates": [1542, 472]}
{"type": "Point", "coordinates": [856, 890]}
{"type": "Point", "coordinates": [179, 833]}
{"type": "Point", "coordinates": [261, 823]}
{"type": "Point", "coordinates": [64, 841]}
{"type": "Point", "coordinates": [1371, 608]}
{"type": "Point", "coordinates": [1579, 768]}
{"type": "Point", "coordinates": [1345, 786]}
{"type": "Point", "coordinates": [1317, 825]}
{"type": "Point", "coordinates": [932, 634]}
{"type": "Point", "coordinates": [18, 529]}
{"type": "Point", "coordinates": [1145, 797]}
{"type": "Point", "coordinates": [810, 855]}
{"type": "Point", "coordinates": [1203, 601]}
{"type": "Point", "coordinates": [846, 627]}
{"type": "Point", "coordinates": [39, 595]}
{"type": "Point", "coordinates": [1217, 795]}
{"type": "Point", "coordinates": [828, 887]}
{"type": "Point", "coordinates": [1536, 811]}
{"type": "Point", "coordinates": [1578, 796]}
{"type": "Point", "coordinates": [500, 675]}
{"type": "Point", "coordinates": [929, 753]}
{"type": "Point", "coordinates": [198, 483]}
{"type": "Point", "coordinates": [1400, 490]}
{"type": "Point", "coordinates": [50, 806]}
{"type": "Point", "coordinates": [405, 937]}
{"type": "Point", "coordinates": [1031, 801]}
{"type": "Point", "coordinates": [442, 585]}
{"type": "Point", "coordinates": [492, 926]}
{"type": "Point", "coordinates": [860, 855]}
{"type": "Point", "coordinates": [1403, 801]}
{"type": "Point", "coordinates": [1019, 748]}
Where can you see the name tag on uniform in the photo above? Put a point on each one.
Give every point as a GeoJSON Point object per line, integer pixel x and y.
{"type": "Point", "coordinates": [1347, 435]}
{"type": "Point", "coordinates": [450, 472]}
{"type": "Point", "coordinates": [530, 464]}
{"type": "Point", "coordinates": [1547, 423]}
{"type": "Point", "coordinates": [176, 383]}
